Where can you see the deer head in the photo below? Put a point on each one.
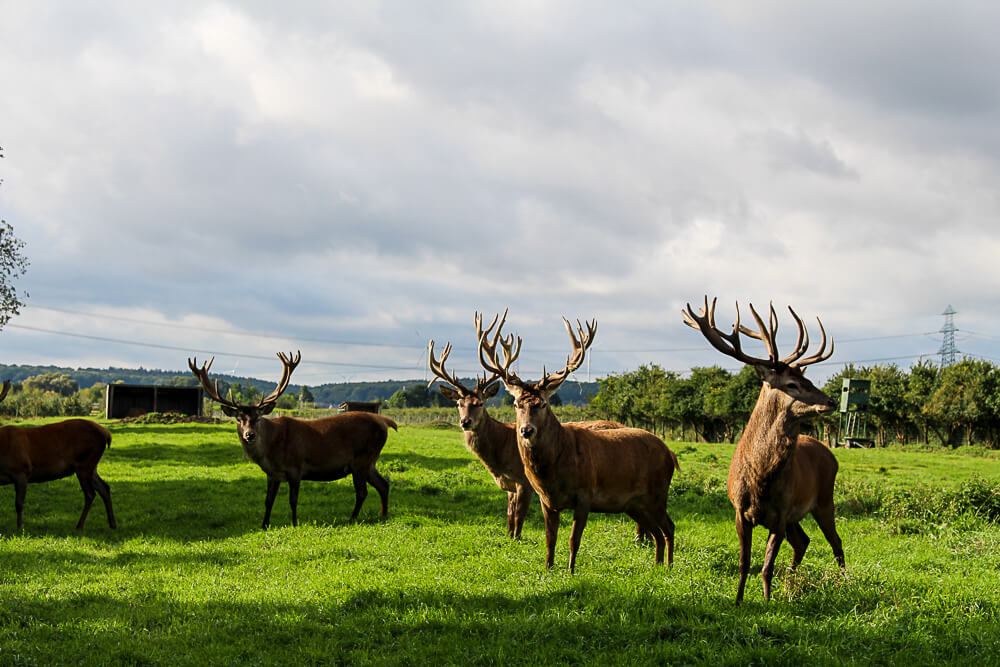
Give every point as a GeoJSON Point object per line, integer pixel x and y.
{"type": "Point", "coordinates": [796, 395]}
{"type": "Point", "coordinates": [247, 416]}
{"type": "Point", "coordinates": [531, 398]}
{"type": "Point", "coordinates": [471, 402]}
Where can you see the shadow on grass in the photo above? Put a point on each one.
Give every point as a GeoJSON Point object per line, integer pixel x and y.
{"type": "Point", "coordinates": [199, 509]}
{"type": "Point", "coordinates": [578, 622]}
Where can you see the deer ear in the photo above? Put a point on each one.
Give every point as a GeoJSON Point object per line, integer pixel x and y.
{"type": "Point", "coordinates": [547, 393]}
{"type": "Point", "coordinates": [449, 393]}
{"type": "Point", "coordinates": [265, 409]}
{"type": "Point", "coordinates": [491, 390]}
{"type": "Point", "coordinates": [228, 411]}
{"type": "Point", "coordinates": [765, 373]}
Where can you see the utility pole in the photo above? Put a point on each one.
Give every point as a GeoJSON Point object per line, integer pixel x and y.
{"type": "Point", "coordinates": [948, 351]}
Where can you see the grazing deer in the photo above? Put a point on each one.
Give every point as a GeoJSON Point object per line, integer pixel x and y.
{"type": "Point", "coordinates": [292, 450]}
{"type": "Point", "coordinates": [30, 454]}
{"type": "Point", "coordinates": [620, 470]}
{"type": "Point", "coordinates": [777, 475]}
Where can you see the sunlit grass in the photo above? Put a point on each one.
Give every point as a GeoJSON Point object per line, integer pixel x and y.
{"type": "Point", "coordinates": [189, 578]}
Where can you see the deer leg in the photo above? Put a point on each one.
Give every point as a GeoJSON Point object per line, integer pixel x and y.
{"type": "Point", "coordinates": [272, 492]}
{"type": "Point", "coordinates": [551, 517]}
{"type": "Point", "coordinates": [522, 503]}
{"type": "Point", "coordinates": [87, 485]}
{"type": "Point", "coordinates": [825, 518]}
{"type": "Point", "coordinates": [646, 529]}
{"type": "Point", "coordinates": [382, 486]}
{"type": "Point", "coordinates": [744, 532]}
{"type": "Point", "coordinates": [667, 526]}
{"type": "Point", "coordinates": [580, 514]}
{"type": "Point", "coordinates": [293, 498]}
{"type": "Point", "coordinates": [104, 491]}
{"type": "Point", "coordinates": [799, 541]}
{"type": "Point", "coordinates": [773, 544]}
{"type": "Point", "coordinates": [360, 493]}
{"type": "Point", "coordinates": [511, 502]}
{"type": "Point", "coordinates": [20, 487]}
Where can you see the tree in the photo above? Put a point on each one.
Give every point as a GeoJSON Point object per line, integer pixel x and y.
{"type": "Point", "coordinates": [12, 265]}
{"type": "Point", "coordinates": [305, 396]}
{"type": "Point", "coordinates": [59, 383]}
{"type": "Point", "coordinates": [415, 396]}
{"type": "Point", "coordinates": [920, 384]}
{"type": "Point", "coordinates": [960, 401]}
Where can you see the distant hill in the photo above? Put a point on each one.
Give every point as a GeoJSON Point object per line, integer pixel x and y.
{"type": "Point", "coordinates": [574, 393]}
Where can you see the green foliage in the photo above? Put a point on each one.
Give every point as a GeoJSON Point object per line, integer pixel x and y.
{"type": "Point", "coordinates": [713, 402]}
{"type": "Point", "coordinates": [287, 402]}
{"type": "Point", "coordinates": [59, 383]}
{"type": "Point", "coordinates": [417, 396]}
{"type": "Point", "coordinates": [13, 264]}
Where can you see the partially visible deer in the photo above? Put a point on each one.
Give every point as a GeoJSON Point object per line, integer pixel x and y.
{"type": "Point", "coordinates": [777, 475]}
{"type": "Point", "coordinates": [619, 470]}
{"type": "Point", "coordinates": [291, 450]}
{"type": "Point", "coordinates": [492, 441]}
{"type": "Point", "coordinates": [30, 454]}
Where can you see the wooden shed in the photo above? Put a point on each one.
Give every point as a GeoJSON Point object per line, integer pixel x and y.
{"type": "Point", "coordinates": [132, 400]}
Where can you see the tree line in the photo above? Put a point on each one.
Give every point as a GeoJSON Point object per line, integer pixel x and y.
{"type": "Point", "coordinates": [954, 405]}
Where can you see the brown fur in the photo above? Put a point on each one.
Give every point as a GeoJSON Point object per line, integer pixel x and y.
{"type": "Point", "coordinates": [43, 453]}
{"type": "Point", "coordinates": [291, 450]}
{"type": "Point", "coordinates": [495, 444]}
{"type": "Point", "coordinates": [586, 469]}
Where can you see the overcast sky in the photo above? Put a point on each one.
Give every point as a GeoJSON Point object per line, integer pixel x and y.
{"type": "Point", "coordinates": [354, 178]}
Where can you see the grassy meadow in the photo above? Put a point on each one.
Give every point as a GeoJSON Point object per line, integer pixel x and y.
{"type": "Point", "coordinates": [190, 578]}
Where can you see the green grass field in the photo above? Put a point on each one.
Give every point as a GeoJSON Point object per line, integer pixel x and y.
{"type": "Point", "coordinates": [189, 577]}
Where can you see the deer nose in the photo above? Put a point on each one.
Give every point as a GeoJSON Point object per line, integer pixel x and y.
{"type": "Point", "coordinates": [527, 431]}
{"type": "Point", "coordinates": [466, 422]}
{"type": "Point", "coordinates": [250, 436]}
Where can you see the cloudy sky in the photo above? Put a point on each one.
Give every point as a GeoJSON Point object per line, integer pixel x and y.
{"type": "Point", "coordinates": [354, 178]}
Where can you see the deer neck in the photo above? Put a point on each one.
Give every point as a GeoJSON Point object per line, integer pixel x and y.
{"type": "Point", "coordinates": [487, 438]}
{"type": "Point", "coordinates": [766, 446]}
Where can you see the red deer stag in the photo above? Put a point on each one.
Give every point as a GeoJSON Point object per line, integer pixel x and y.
{"type": "Point", "coordinates": [293, 450]}
{"type": "Point", "coordinates": [621, 470]}
{"type": "Point", "coordinates": [777, 475]}
{"type": "Point", "coordinates": [53, 451]}
{"type": "Point", "coordinates": [492, 441]}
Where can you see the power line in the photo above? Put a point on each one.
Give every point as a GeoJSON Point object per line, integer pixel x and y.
{"type": "Point", "coordinates": [228, 332]}
{"type": "Point", "coordinates": [188, 350]}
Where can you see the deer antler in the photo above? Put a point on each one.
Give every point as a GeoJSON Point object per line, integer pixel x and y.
{"type": "Point", "coordinates": [488, 347]}
{"type": "Point", "coordinates": [288, 365]}
{"type": "Point", "coordinates": [6, 388]}
{"type": "Point", "coordinates": [212, 389]}
{"type": "Point", "coordinates": [573, 360]}
{"type": "Point", "coordinates": [437, 367]}
{"type": "Point", "coordinates": [729, 343]}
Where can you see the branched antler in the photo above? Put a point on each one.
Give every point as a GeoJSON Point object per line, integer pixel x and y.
{"type": "Point", "coordinates": [212, 388]}
{"type": "Point", "coordinates": [729, 343]}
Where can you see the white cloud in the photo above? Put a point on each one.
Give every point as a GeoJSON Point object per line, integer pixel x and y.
{"type": "Point", "coordinates": [384, 171]}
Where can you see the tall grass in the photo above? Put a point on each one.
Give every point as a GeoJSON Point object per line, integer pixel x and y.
{"type": "Point", "coordinates": [189, 578]}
